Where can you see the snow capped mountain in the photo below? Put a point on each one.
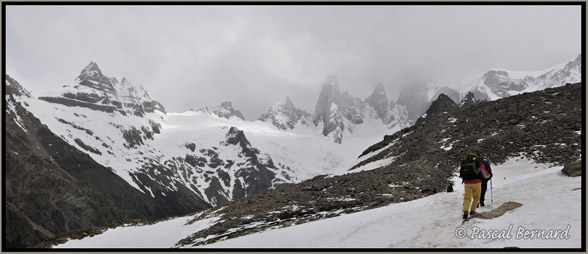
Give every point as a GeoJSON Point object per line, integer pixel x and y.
{"type": "Point", "coordinates": [339, 113]}
{"type": "Point", "coordinates": [91, 89]}
{"type": "Point", "coordinates": [286, 116]}
{"type": "Point", "coordinates": [163, 155]}
{"type": "Point", "coordinates": [499, 83]}
{"type": "Point", "coordinates": [225, 110]}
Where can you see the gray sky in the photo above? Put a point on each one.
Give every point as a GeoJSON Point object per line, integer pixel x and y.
{"type": "Point", "coordinates": [196, 56]}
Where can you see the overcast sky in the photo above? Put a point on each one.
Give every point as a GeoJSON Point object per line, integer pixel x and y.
{"type": "Point", "coordinates": [196, 56]}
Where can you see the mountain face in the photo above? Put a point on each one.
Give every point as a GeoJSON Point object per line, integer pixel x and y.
{"type": "Point", "coordinates": [225, 110]}
{"type": "Point", "coordinates": [340, 113]}
{"type": "Point", "coordinates": [499, 83]}
{"type": "Point", "coordinates": [543, 126]}
{"type": "Point", "coordinates": [286, 116]}
{"type": "Point", "coordinates": [136, 160]}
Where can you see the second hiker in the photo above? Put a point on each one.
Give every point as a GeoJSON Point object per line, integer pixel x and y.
{"type": "Point", "coordinates": [486, 166]}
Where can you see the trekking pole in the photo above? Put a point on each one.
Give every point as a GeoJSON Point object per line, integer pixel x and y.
{"type": "Point", "coordinates": [491, 197]}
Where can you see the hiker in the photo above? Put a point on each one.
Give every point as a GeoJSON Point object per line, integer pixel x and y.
{"type": "Point", "coordinates": [486, 166]}
{"type": "Point", "coordinates": [471, 173]}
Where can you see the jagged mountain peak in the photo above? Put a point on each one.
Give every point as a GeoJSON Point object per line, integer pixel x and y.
{"type": "Point", "coordinates": [94, 90]}
{"type": "Point", "coordinates": [442, 105]}
{"type": "Point", "coordinates": [91, 70]}
{"type": "Point", "coordinates": [330, 87]}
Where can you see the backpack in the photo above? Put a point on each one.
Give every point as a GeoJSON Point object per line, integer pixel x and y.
{"type": "Point", "coordinates": [469, 167]}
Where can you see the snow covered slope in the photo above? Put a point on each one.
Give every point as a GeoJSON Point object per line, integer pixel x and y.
{"type": "Point", "coordinates": [429, 222]}
{"type": "Point", "coordinates": [432, 221]}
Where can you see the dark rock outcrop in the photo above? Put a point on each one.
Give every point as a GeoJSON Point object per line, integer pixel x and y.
{"type": "Point", "coordinates": [573, 169]}
{"type": "Point", "coordinates": [469, 100]}
{"type": "Point", "coordinates": [442, 105]}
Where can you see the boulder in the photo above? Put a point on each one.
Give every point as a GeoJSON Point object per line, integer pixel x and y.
{"type": "Point", "coordinates": [573, 169]}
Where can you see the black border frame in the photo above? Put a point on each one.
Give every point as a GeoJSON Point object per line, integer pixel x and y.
{"type": "Point", "coordinates": [582, 4]}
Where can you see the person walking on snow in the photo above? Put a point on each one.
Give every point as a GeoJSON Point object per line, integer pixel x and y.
{"type": "Point", "coordinates": [471, 173]}
{"type": "Point", "coordinates": [486, 166]}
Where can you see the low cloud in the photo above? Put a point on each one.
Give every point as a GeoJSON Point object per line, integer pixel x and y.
{"type": "Point", "coordinates": [195, 56]}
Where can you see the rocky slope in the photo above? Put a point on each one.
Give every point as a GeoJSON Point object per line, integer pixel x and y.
{"type": "Point", "coordinates": [544, 126]}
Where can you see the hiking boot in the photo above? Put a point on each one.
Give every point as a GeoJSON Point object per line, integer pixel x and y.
{"type": "Point", "coordinates": [472, 213]}
{"type": "Point", "coordinates": [481, 203]}
{"type": "Point", "coordinates": [465, 215]}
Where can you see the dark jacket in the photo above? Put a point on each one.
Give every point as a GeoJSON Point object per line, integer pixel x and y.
{"type": "Point", "coordinates": [488, 168]}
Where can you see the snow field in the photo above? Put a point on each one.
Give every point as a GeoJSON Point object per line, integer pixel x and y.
{"type": "Point", "coordinates": [548, 199]}
{"type": "Point", "coordinates": [160, 235]}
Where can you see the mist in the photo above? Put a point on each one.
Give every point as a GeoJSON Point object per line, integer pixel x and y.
{"type": "Point", "coordinates": [197, 56]}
